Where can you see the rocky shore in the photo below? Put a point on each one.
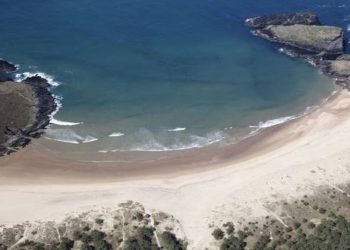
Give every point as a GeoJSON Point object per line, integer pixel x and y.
{"type": "Point", "coordinates": [302, 35]}
{"type": "Point", "coordinates": [25, 109]}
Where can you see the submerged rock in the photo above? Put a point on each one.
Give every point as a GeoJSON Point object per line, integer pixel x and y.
{"type": "Point", "coordinates": [306, 18]}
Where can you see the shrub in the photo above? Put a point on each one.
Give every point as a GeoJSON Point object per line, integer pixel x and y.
{"type": "Point", "coordinates": [311, 225]}
{"type": "Point", "coordinates": [65, 244]}
{"type": "Point", "coordinates": [232, 243]}
{"type": "Point", "coordinates": [170, 242]}
{"type": "Point", "coordinates": [142, 240]}
{"type": "Point", "coordinates": [218, 234]}
{"type": "Point", "coordinates": [296, 225]}
{"type": "Point", "coordinates": [322, 210]}
{"type": "Point", "coordinates": [99, 221]}
{"type": "Point", "coordinates": [97, 235]}
{"type": "Point", "coordinates": [77, 235]}
{"type": "Point", "coordinates": [262, 242]}
{"type": "Point", "coordinates": [230, 228]}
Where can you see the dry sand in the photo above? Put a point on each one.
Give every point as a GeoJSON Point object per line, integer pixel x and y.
{"type": "Point", "coordinates": [286, 163]}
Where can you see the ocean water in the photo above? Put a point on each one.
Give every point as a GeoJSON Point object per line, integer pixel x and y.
{"type": "Point", "coordinates": [161, 75]}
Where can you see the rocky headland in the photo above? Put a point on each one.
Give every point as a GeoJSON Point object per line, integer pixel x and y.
{"type": "Point", "coordinates": [25, 109]}
{"type": "Point", "coordinates": [302, 35]}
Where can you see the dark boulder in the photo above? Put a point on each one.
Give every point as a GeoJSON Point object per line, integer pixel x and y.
{"type": "Point", "coordinates": [6, 67]}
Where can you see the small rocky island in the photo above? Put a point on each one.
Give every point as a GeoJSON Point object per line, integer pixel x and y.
{"type": "Point", "coordinates": [25, 108]}
{"type": "Point", "coordinates": [302, 35]}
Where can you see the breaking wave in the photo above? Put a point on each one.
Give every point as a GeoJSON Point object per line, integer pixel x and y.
{"type": "Point", "coordinates": [50, 79]}
{"type": "Point", "coordinates": [146, 141]}
{"type": "Point", "coordinates": [176, 129]}
{"type": "Point", "coordinates": [68, 136]}
{"type": "Point", "coordinates": [64, 123]}
{"type": "Point", "coordinates": [117, 134]}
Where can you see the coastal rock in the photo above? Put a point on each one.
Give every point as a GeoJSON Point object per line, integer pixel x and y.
{"type": "Point", "coordinates": [327, 40]}
{"type": "Point", "coordinates": [301, 32]}
{"type": "Point", "coordinates": [37, 81]}
{"type": "Point", "coordinates": [339, 68]}
{"type": "Point", "coordinates": [306, 18]}
{"type": "Point", "coordinates": [25, 111]}
{"type": "Point", "coordinates": [6, 67]}
{"type": "Point", "coordinates": [302, 36]}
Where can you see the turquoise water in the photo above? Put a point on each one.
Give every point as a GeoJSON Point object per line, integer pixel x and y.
{"type": "Point", "coordinates": [160, 75]}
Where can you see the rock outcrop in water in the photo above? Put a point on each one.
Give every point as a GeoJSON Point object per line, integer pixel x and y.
{"type": "Point", "coordinates": [327, 40]}
{"type": "Point", "coordinates": [302, 35]}
{"type": "Point", "coordinates": [306, 18]}
{"type": "Point", "coordinates": [6, 67]}
{"type": "Point", "coordinates": [25, 109]}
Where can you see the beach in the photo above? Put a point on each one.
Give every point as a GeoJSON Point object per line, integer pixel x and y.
{"type": "Point", "coordinates": [287, 162]}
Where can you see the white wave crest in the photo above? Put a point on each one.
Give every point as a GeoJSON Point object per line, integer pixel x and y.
{"type": "Point", "coordinates": [117, 134]}
{"type": "Point", "coordinates": [68, 136]}
{"type": "Point", "coordinates": [148, 142]}
{"type": "Point", "coordinates": [274, 122]}
{"type": "Point", "coordinates": [50, 79]}
{"type": "Point", "coordinates": [332, 6]}
{"type": "Point", "coordinates": [176, 129]}
{"type": "Point", "coordinates": [64, 123]}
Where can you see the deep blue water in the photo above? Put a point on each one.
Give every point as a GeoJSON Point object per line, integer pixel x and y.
{"type": "Point", "coordinates": [144, 67]}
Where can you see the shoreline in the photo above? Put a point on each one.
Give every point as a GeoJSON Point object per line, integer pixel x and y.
{"type": "Point", "coordinates": [39, 165]}
{"type": "Point", "coordinates": [294, 160]}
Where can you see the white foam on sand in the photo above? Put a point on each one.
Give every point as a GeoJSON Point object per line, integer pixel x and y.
{"type": "Point", "coordinates": [176, 129]}
{"type": "Point", "coordinates": [68, 136]}
{"type": "Point", "coordinates": [64, 123]}
{"type": "Point", "coordinates": [274, 122]}
{"type": "Point", "coordinates": [117, 134]}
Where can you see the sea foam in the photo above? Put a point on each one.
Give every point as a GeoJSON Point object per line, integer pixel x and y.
{"type": "Point", "coordinates": [148, 142]}
{"type": "Point", "coordinates": [64, 123]}
{"type": "Point", "coordinates": [117, 134]}
{"type": "Point", "coordinates": [50, 79]}
{"type": "Point", "coordinates": [68, 136]}
{"type": "Point", "coordinates": [176, 129]}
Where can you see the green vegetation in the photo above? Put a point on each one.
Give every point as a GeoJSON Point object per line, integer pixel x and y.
{"type": "Point", "coordinates": [170, 242]}
{"type": "Point", "coordinates": [233, 243]}
{"type": "Point", "coordinates": [218, 234]}
{"type": "Point", "coordinates": [142, 240]}
{"type": "Point", "coordinates": [330, 234]}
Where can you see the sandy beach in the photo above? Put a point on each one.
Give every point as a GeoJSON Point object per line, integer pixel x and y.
{"type": "Point", "coordinates": [284, 163]}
